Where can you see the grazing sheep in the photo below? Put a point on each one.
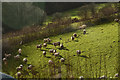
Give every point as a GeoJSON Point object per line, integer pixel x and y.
{"type": "Point", "coordinates": [54, 51]}
{"type": "Point", "coordinates": [78, 52]}
{"type": "Point", "coordinates": [19, 68]}
{"type": "Point", "coordinates": [116, 20]}
{"type": "Point", "coordinates": [62, 59]}
{"type": "Point", "coordinates": [116, 75]}
{"type": "Point", "coordinates": [44, 53]}
{"type": "Point", "coordinates": [50, 62]}
{"type": "Point", "coordinates": [19, 74]}
{"type": "Point", "coordinates": [25, 60]}
{"type": "Point", "coordinates": [7, 55]}
{"type": "Point", "coordinates": [81, 77]}
{"type": "Point", "coordinates": [30, 67]}
{"type": "Point", "coordinates": [56, 44]}
{"type": "Point", "coordinates": [75, 35]}
{"type": "Point", "coordinates": [103, 77]}
{"type": "Point", "coordinates": [39, 46]}
{"type": "Point", "coordinates": [51, 50]}
{"type": "Point", "coordinates": [45, 45]}
{"type": "Point", "coordinates": [19, 51]}
{"type": "Point", "coordinates": [47, 40]}
{"type": "Point", "coordinates": [72, 38]}
{"type": "Point", "coordinates": [83, 26]}
{"type": "Point", "coordinates": [56, 54]}
{"type": "Point", "coordinates": [4, 59]}
{"type": "Point", "coordinates": [84, 31]}
{"type": "Point", "coordinates": [61, 46]}
{"type": "Point", "coordinates": [17, 57]}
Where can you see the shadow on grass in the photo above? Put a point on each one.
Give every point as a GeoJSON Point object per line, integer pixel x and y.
{"type": "Point", "coordinates": [43, 50]}
{"type": "Point", "coordinates": [48, 57]}
{"type": "Point", "coordinates": [84, 56]}
{"type": "Point", "coordinates": [76, 40]}
{"type": "Point", "coordinates": [64, 48]}
{"type": "Point", "coordinates": [50, 43]}
{"type": "Point", "coordinates": [48, 48]}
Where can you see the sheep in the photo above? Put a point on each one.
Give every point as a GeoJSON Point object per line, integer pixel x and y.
{"type": "Point", "coordinates": [116, 20]}
{"type": "Point", "coordinates": [103, 77]}
{"type": "Point", "coordinates": [84, 31]}
{"type": "Point", "coordinates": [56, 44]}
{"type": "Point", "coordinates": [25, 60]}
{"type": "Point", "coordinates": [17, 57]}
{"type": "Point", "coordinates": [7, 55]}
{"type": "Point", "coordinates": [116, 75]}
{"type": "Point", "coordinates": [83, 26]}
{"type": "Point", "coordinates": [78, 52]}
{"type": "Point", "coordinates": [30, 67]}
{"type": "Point", "coordinates": [51, 50]}
{"type": "Point", "coordinates": [19, 74]}
{"type": "Point", "coordinates": [19, 51]}
{"type": "Point", "coordinates": [81, 77]}
{"type": "Point", "coordinates": [61, 46]}
{"type": "Point", "coordinates": [45, 45]}
{"type": "Point", "coordinates": [56, 54]}
{"type": "Point", "coordinates": [44, 53]}
{"type": "Point", "coordinates": [39, 46]}
{"type": "Point", "coordinates": [4, 59]}
{"type": "Point", "coordinates": [47, 40]}
{"type": "Point", "coordinates": [19, 68]}
{"type": "Point", "coordinates": [72, 38]}
{"type": "Point", "coordinates": [50, 62]}
{"type": "Point", "coordinates": [62, 59]}
{"type": "Point", "coordinates": [75, 35]}
{"type": "Point", "coordinates": [54, 51]}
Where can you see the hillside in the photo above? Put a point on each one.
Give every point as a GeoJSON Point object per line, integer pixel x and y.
{"type": "Point", "coordinates": [99, 48]}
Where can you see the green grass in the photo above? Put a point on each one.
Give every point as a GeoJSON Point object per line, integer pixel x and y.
{"type": "Point", "coordinates": [100, 40]}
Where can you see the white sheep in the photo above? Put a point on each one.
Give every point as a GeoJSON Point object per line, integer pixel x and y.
{"type": "Point", "coordinates": [62, 59]}
{"type": "Point", "coordinates": [44, 44]}
{"type": "Point", "coordinates": [72, 38]}
{"type": "Point", "coordinates": [19, 74]}
{"type": "Point", "coordinates": [78, 52]}
{"type": "Point", "coordinates": [7, 55]}
{"type": "Point", "coordinates": [116, 75]}
{"type": "Point", "coordinates": [61, 46]}
{"type": "Point", "coordinates": [103, 77]}
{"type": "Point", "coordinates": [81, 77]}
{"type": "Point", "coordinates": [50, 62]}
{"type": "Point", "coordinates": [39, 46]}
{"type": "Point", "coordinates": [30, 67]}
{"type": "Point", "coordinates": [54, 51]}
{"type": "Point", "coordinates": [17, 57]}
{"type": "Point", "coordinates": [51, 50]}
{"type": "Point", "coordinates": [44, 53]}
{"type": "Point", "coordinates": [25, 60]}
{"type": "Point", "coordinates": [19, 51]}
{"type": "Point", "coordinates": [56, 54]}
{"type": "Point", "coordinates": [19, 68]}
{"type": "Point", "coordinates": [84, 31]}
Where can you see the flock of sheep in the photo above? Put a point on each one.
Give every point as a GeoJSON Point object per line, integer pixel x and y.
{"type": "Point", "coordinates": [52, 51]}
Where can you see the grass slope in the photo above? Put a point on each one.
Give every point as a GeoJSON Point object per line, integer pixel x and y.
{"type": "Point", "coordinates": [99, 54]}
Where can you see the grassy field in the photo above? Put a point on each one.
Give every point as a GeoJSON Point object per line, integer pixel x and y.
{"type": "Point", "coordinates": [99, 48]}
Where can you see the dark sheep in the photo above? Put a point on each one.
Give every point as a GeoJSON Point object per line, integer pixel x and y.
{"type": "Point", "coordinates": [51, 50]}
{"type": "Point", "coordinates": [75, 35]}
{"type": "Point", "coordinates": [19, 74]}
